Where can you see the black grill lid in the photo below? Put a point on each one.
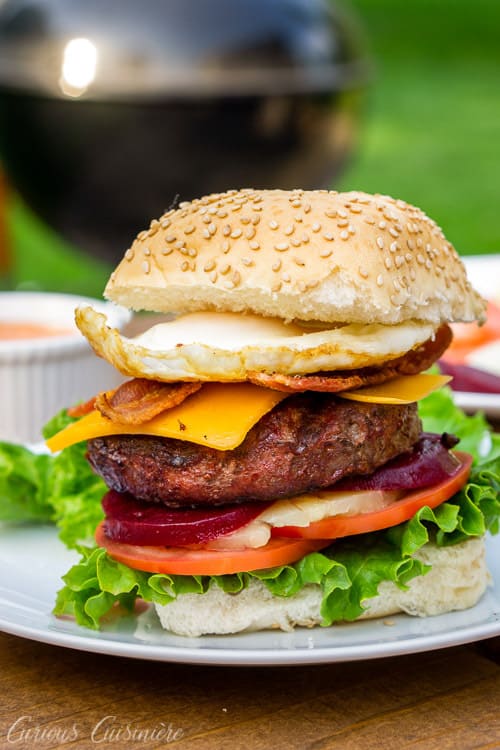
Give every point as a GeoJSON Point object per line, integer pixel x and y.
{"type": "Point", "coordinates": [156, 48]}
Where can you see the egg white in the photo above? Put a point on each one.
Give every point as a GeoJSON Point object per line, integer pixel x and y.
{"type": "Point", "coordinates": [227, 346]}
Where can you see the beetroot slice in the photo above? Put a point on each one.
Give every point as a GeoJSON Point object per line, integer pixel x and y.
{"type": "Point", "coordinates": [133, 521]}
{"type": "Point", "coordinates": [470, 379]}
{"type": "Point", "coordinates": [429, 462]}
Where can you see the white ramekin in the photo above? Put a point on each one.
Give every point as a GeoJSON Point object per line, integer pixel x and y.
{"type": "Point", "coordinates": [40, 376]}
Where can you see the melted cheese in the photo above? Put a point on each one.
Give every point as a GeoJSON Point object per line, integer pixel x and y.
{"type": "Point", "coordinates": [218, 416]}
{"type": "Point", "coordinates": [403, 390]}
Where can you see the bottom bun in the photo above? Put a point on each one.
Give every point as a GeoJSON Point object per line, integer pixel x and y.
{"type": "Point", "coordinates": [457, 580]}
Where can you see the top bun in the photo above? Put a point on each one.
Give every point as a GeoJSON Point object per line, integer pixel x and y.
{"type": "Point", "coordinates": [308, 255]}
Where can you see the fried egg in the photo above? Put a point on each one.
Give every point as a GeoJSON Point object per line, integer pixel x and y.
{"type": "Point", "coordinates": [227, 346]}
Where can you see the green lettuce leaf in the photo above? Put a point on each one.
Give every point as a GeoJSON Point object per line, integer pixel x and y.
{"type": "Point", "coordinates": [60, 489]}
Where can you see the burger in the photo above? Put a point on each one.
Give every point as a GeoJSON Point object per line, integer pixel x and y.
{"type": "Point", "coordinates": [265, 458]}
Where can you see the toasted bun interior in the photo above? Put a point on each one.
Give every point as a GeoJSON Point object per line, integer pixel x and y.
{"type": "Point", "coordinates": [306, 255]}
{"type": "Point", "coordinates": [457, 580]}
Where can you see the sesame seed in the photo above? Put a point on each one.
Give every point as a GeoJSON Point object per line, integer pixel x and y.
{"type": "Point", "coordinates": [343, 223]}
{"type": "Point", "coordinates": [363, 272]}
{"type": "Point", "coordinates": [380, 280]}
{"type": "Point", "coordinates": [225, 246]}
{"type": "Point", "coordinates": [393, 247]}
{"type": "Point", "coordinates": [393, 232]}
{"type": "Point", "coordinates": [212, 210]}
{"type": "Point", "coordinates": [209, 266]}
{"type": "Point", "coordinates": [289, 230]}
{"type": "Point", "coordinates": [189, 229]}
{"type": "Point", "coordinates": [212, 228]}
{"type": "Point", "coordinates": [286, 277]}
{"type": "Point", "coordinates": [170, 238]}
{"type": "Point", "coordinates": [207, 219]}
{"type": "Point", "coordinates": [184, 204]}
{"type": "Point", "coordinates": [142, 235]}
{"type": "Point", "coordinates": [207, 234]}
{"type": "Point", "coordinates": [380, 242]}
{"type": "Point", "coordinates": [276, 266]}
{"type": "Point", "coordinates": [276, 286]}
{"type": "Point", "coordinates": [299, 262]}
{"type": "Point", "coordinates": [167, 250]}
{"type": "Point", "coordinates": [129, 254]}
{"type": "Point", "coordinates": [222, 214]}
{"type": "Point", "coordinates": [302, 286]}
{"type": "Point", "coordinates": [282, 246]}
{"type": "Point", "coordinates": [382, 224]}
{"type": "Point", "coordinates": [236, 233]}
{"type": "Point", "coordinates": [180, 244]}
{"type": "Point", "coordinates": [184, 265]}
{"type": "Point", "coordinates": [399, 260]}
{"type": "Point", "coordinates": [273, 224]}
{"type": "Point", "coordinates": [236, 278]}
{"type": "Point", "coordinates": [344, 235]}
{"type": "Point", "coordinates": [408, 257]}
{"type": "Point", "coordinates": [331, 214]}
{"type": "Point", "coordinates": [225, 268]}
{"type": "Point", "coordinates": [250, 233]}
{"type": "Point", "coordinates": [145, 266]}
{"type": "Point", "coordinates": [305, 237]}
{"type": "Point", "coordinates": [296, 204]}
{"type": "Point", "coordinates": [236, 207]}
{"type": "Point", "coordinates": [307, 208]}
{"type": "Point", "coordinates": [387, 262]}
{"type": "Point", "coordinates": [325, 253]}
{"type": "Point", "coordinates": [316, 226]}
{"type": "Point", "coordinates": [213, 277]}
{"type": "Point", "coordinates": [296, 243]}
{"type": "Point", "coordinates": [247, 261]}
{"type": "Point", "coordinates": [394, 300]}
{"type": "Point", "coordinates": [329, 237]}
{"type": "Point", "coordinates": [396, 285]}
{"type": "Point", "coordinates": [255, 219]}
{"type": "Point", "coordinates": [165, 223]}
{"type": "Point", "coordinates": [226, 230]}
{"type": "Point", "coordinates": [351, 229]}
{"type": "Point", "coordinates": [420, 259]}
{"type": "Point", "coordinates": [369, 220]}
{"type": "Point", "coordinates": [253, 245]}
{"type": "Point", "coordinates": [355, 209]}
{"type": "Point", "coordinates": [428, 265]}
{"type": "Point", "coordinates": [343, 214]}
{"type": "Point", "coordinates": [411, 244]}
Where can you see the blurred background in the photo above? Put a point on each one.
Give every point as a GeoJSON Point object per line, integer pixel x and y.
{"type": "Point", "coordinates": [111, 112]}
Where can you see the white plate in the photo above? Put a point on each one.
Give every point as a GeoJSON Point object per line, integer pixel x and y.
{"type": "Point", "coordinates": [484, 274]}
{"type": "Point", "coordinates": [32, 560]}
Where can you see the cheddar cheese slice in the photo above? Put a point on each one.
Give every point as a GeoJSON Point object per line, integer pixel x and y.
{"type": "Point", "coordinates": [403, 390]}
{"type": "Point", "coordinates": [218, 415]}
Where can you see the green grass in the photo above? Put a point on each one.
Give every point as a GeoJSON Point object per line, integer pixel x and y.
{"type": "Point", "coordinates": [431, 134]}
{"type": "Point", "coordinates": [432, 130]}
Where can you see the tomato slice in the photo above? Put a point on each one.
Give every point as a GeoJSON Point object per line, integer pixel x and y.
{"type": "Point", "coordinates": [399, 511]}
{"type": "Point", "coordinates": [190, 562]}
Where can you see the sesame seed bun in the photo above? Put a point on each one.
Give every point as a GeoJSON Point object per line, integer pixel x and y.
{"type": "Point", "coordinates": [309, 255]}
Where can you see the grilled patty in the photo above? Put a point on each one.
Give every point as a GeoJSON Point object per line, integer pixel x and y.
{"type": "Point", "coordinates": [309, 441]}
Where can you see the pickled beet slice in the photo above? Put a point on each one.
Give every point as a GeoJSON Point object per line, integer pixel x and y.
{"type": "Point", "coordinates": [134, 521]}
{"type": "Point", "coordinates": [470, 379]}
{"type": "Point", "coordinates": [429, 462]}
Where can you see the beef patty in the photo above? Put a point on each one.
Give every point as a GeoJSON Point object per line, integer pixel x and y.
{"type": "Point", "coordinates": [309, 441]}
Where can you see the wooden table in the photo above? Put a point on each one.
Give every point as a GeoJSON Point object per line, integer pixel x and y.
{"type": "Point", "coordinates": [58, 698]}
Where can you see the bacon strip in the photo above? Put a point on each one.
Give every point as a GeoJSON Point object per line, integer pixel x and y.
{"type": "Point", "coordinates": [139, 400]}
{"type": "Point", "coordinates": [410, 363]}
